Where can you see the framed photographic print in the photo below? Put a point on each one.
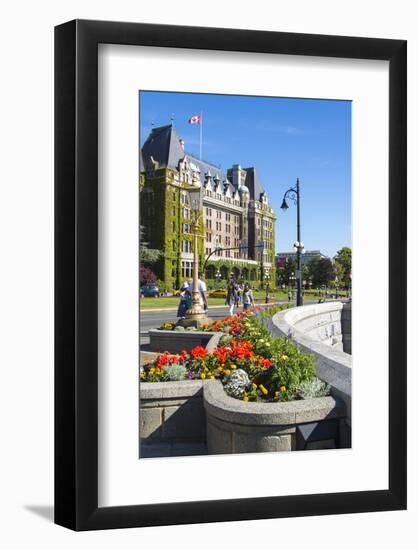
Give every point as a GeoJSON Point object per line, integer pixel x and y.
{"type": "Point", "coordinates": [230, 275]}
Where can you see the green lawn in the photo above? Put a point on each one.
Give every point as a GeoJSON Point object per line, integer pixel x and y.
{"type": "Point", "coordinates": [172, 302]}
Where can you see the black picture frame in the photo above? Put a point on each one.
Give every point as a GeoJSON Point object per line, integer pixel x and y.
{"type": "Point", "coordinates": [76, 272]}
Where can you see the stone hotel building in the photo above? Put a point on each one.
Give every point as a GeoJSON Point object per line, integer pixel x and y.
{"type": "Point", "coordinates": [237, 223]}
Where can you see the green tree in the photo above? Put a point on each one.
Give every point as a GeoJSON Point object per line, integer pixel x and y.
{"type": "Point", "coordinates": [289, 268]}
{"type": "Point", "coordinates": [322, 271]}
{"type": "Point", "coordinates": [306, 272]}
{"type": "Point", "coordinates": [147, 256]}
{"type": "Point", "coordinates": [343, 262]}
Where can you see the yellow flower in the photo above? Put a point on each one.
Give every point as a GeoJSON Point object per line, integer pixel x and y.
{"type": "Point", "coordinates": [254, 386]}
{"type": "Point", "coordinates": [284, 357]}
{"type": "Point", "coordinates": [202, 375]}
{"type": "Point", "coordinates": [282, 388]}
{"type": "Point", "coordinates": [151, 371]}
{"type": "Point", "coordinates": [232, 366]}
{"type": "Point", "coordinates": [227, 372]}
{"type": "Point", "coordinates": [219, 369]}
{"type": "Point", "coordinates": [245, 398]}
{"type": "Point", "coordinates": [211, 377]}
{"type": "Point", "coordinates": [263, 389]}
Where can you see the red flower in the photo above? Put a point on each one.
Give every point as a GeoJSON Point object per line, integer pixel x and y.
{"type": "Point", "coordinates": [199, 352]}
{"type": "Point", "coordinates": [166, 359]}
{"type": "Point", "coordinates": [221, 354]}
{"type": "Point", "coordinates": [184, 355]}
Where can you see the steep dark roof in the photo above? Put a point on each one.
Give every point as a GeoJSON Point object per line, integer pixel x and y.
{"type": "Point", "coordinates": [253, 183]}
{"type": "Point", "coordinates": [163, 145]}
{"type": "Point", "coordinates": [206, 168]}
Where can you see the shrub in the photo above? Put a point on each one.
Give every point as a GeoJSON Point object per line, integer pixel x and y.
{"type": "Point", "coordinates": [175, 372]}
{"type": "Point", "coordinates": [313, 388]}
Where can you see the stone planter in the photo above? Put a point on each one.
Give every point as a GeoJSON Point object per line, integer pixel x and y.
{"type": "Point", "coordinates": [172, 418]}
{"type": "Point", "coordinates": [175, 341]}
{"type": "Point", "coordinates": [235, 426]}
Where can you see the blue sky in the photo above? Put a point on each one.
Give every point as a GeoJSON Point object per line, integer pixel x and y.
{"type": "Point", "coordinates": [284, 139]}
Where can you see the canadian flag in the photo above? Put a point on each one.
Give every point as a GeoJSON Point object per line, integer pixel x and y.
{"type": "Point", "coordinates": [196, 119]}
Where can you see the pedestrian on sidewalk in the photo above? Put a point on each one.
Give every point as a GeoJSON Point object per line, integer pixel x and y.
{"type": "Point", "coordinates": [185, 300]}
{"type": "Point", "coordinates": [247, 297]}
{"type": "Point", "coordinates": [232, 297]}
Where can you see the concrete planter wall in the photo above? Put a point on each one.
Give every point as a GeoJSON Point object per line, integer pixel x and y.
{"type": "Point", "coordinates": [175, 341]}
{"type": "Point", "coordinates": [172, 418]}
{"type": "Point", "coordinates": [235, 426]}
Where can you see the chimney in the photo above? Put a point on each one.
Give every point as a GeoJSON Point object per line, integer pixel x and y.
{"type": "Point", "coordinates": [236, 169]}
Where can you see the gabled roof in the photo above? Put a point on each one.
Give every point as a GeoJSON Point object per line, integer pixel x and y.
{"type": "Point", "coordinates": [164, 146]}
{"type": "Point", "coordinates": [206, 168]}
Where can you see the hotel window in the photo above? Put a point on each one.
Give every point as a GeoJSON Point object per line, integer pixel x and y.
{"type": "Point", "coordinates": [173, 227]}
{"type": "Point", "coordinates": [186, 268]}
{"type": "Point", "coordinates": [227, 228]}
{"type": "Point", "coordinates": [186, 246]}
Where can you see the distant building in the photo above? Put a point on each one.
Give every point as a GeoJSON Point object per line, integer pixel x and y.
{"type": "Point", "coordinates": [281, 258]}
{"type": "Point", "coordinates": [236, 213]}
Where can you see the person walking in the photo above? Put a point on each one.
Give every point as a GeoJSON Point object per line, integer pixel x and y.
{"type": "Point", "coordinates": [185, 300]}
{"type": "Point", "coordinates": [247, 297]}
{"type": "Point", "coordinates": [202, 289]}
{"type": "Point", "coordinates": [232, 298]}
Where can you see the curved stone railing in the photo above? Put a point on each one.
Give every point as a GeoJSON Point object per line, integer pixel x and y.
{"type": "Point", "coordinates": [235, 426]}
{"type": "Point", "coordinates": [318, 329]}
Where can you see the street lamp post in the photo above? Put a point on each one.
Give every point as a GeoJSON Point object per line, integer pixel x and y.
{"type": "Point", "coordinates": [291, 280]}
{"type": "Point", "coordinates": [293, 193]}
{"type": "Point", "coordinates": [267, 288]}
{"type": "Point", "coordinates": [196, 312]}
{"type": "Point", "coordinates": [218, 276]}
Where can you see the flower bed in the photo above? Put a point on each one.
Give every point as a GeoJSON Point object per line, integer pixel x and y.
{"type": "Point", "coordinates": [251, 364]}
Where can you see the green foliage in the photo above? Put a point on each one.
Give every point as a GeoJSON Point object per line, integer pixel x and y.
{"type": "Point", "coordinates": [148, 256]}
{"type": "Point", "coordinates": [343, 262]}
{"type": "Point", "coordinates": [290, 368]}
{"type": "Point", "coordinates": [322, 271]}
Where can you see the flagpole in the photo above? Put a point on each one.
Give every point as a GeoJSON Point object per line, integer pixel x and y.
{"type": "Point", "coordinates": [201, 133]}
